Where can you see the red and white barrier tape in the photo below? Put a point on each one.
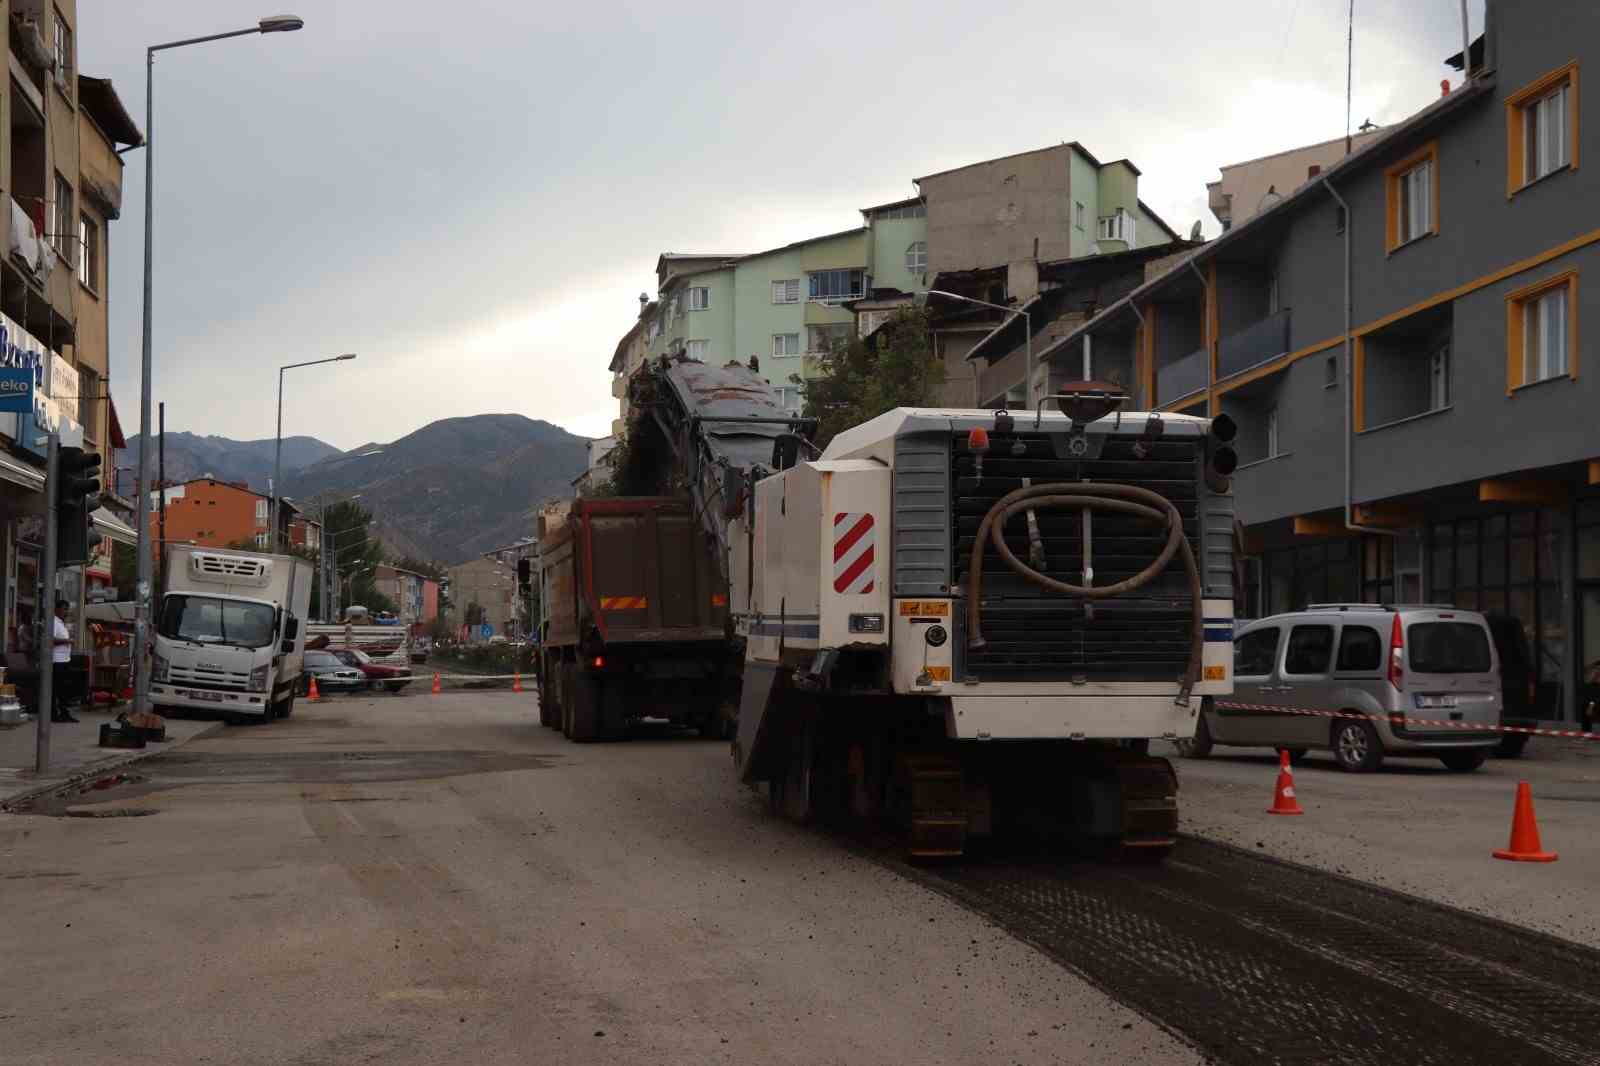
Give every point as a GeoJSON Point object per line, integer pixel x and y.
{"type": "Point", "coordinates": [1398, 719]}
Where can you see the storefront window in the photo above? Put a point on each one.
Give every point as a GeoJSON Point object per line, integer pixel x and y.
{"type": "Point", "coordinates": [1494, 551]}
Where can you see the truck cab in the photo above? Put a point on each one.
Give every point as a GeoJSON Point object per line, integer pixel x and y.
{"type": "Point", "coordinates": [230, 632]}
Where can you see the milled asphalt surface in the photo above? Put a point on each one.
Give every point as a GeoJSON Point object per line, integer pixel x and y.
{"type": "Point", "coordinates": [431, 880]}
{"type": "Point", "coordinates": [1415, 827]}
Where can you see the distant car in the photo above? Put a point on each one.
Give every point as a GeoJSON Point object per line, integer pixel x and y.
{"type": "Point", "coordinates": [421, 648]}
{"type": "Point", "coordinates": [332, 674]}
{"type": "Point", "coordinates": [498, 639]}
{"type": "Point", "coordinates": [1387, 664]}
{"type": "Point", "coordinates": [391, 677]}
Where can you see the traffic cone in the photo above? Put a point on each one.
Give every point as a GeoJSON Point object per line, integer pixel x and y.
{"type": "Point", "coordinates": [436, 688]}
{"type": "Point", "coordinates": [1524, 846]}
{"type": "Point", "coordinates": [313, 695]}
{"type": "Point", "coordinates": [516, 682]}
{"type": "Point", "coordinates": [1283, 801]}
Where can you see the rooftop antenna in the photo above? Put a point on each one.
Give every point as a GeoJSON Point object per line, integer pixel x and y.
{"type": "Point", "coordinates": [1349, 71]}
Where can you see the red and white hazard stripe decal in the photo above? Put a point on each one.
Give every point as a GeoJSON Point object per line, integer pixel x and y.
{"type": "Point", "coordinates": [854, 566]}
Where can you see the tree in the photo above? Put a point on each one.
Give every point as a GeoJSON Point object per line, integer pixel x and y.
{"type": "Point", "coordinates": [861, 379]}
{"type": "Point", "coordinates": [355, 550]}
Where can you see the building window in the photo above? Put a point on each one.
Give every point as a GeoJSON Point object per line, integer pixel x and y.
{"type": "Point", "coordinates": [1330, 372]}
{"type": "Point", "coordinates": [65, 225]}
{"type": "Point", "coordinates": [911, 210]}
{"type": "Point", "coordinates": [261, 540]}
{"type": "Point", "coordinates": [696, 349]}
{"type": "Point", "coordinates": [1272, 433]}
{"type": "Point", "coordinates": [786, 291]}
{"type": "Point", "coordinates": [1542, 128]}
{"type": "Point", "coordinates": [63, 54]}
{"type": "Point", "coordinates": [820, 339]}
{"type": "Point", "coordinates": [1077, 214]}
{"type": "Point", "coordinates": [261, 512]}
{"type": "Point", "coordinates": [838, 284]}
{"type": "Point", "coordinates": [699, 298]}
{"type": "Point", "coordinates": [1541, 331]}
{"type": "Point", "coordinates": [1439, 379]}
{"type": "Point", "coordinates": [917, 257]}
{"type": "Point", "coordinates": [89, 263]}
{"type": "Point", "coordinates": [1412, 196]}
{"type": "Point", "coordinates": [88, 400]}
{"type": "Point", "coordinates": [1117, 227]}
{"type": "Point", "coordinates": [789, 397]}
{"type": "Point", "coordinates": [786, 344]}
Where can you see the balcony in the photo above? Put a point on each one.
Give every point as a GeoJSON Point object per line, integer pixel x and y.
{"type": "Point", "coordinates": [1181, 377]}
{"type": "Point", "coordinates": [1257, 343]}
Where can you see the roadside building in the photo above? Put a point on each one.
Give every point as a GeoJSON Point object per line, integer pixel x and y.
{"type": "Point", "coordinates": [219, 514]}
{"type": "Point", "coordinates": [305, 532]}
{"type": "Point", "coordinates": [487, 584]}
{"type": "Point", "coordinates": [63, 186]}
{"type": "Point", "coordinates": [1245, 189]}
{"type": "Point", "coordinates": [1429, 438]}
{"type": "Point", "coordinates": [415, 596]}
{"type": "Point", "coordinates": [631, 352]}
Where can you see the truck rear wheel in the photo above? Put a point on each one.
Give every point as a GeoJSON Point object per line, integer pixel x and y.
{"type": "Point", "coordinates": [584, 715]}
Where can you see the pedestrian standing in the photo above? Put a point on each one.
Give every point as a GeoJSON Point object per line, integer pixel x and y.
{"type": "Point", "coordinates": [60, 661]}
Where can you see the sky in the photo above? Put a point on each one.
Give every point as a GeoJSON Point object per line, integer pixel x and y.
{"type": "Point", "coordinates": [472, 195]}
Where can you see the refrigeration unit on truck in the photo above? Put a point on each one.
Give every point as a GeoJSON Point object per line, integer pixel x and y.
{"type": "Point", "coordinates": [230, 632]}
{"type": "Point", "coordinates": [973, 622]}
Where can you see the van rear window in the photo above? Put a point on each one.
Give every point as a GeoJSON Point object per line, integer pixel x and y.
{"type": "Point", "coordinates": [1448, 648]}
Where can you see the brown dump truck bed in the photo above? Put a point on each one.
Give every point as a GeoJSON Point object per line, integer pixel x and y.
{"type": "Point", "coordinates": [637, 569]}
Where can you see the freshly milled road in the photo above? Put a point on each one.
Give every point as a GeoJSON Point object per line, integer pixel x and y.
{"type": "Point", "coordinates": [439, 880]}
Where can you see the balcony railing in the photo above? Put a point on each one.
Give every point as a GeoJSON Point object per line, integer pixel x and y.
{"type": "Point", "coordinates": [1182, 377]}
{"type": "Point", "coordinates": [1255, 344]}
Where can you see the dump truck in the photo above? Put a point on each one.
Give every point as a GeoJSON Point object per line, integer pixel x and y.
{"type": "Point", "coordinates": [972, 623]}
{"type": "Point", "coordinates": [634, 588]}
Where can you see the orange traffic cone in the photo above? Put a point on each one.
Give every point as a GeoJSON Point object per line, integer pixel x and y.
{"type": "Point", "coordinates": [1524, 846]}
{"type": "Point", "coordinates": [436, 688]}
{"type": "Point", "coordinates": [312, 694]}
{"type": "Point", "coordinates": [516, 682]}
{"type": "Point", "coordinates": [1283, 801]}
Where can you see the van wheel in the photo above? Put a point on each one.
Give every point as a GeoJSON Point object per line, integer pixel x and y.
{"type": "Point", "coordinates": [1198, 746]}
{"type": "Point", "coordinates": [287, 707]}
{"type": "Point", "coordinates": [1355, 746]}
{"type": "Point", "coordinates": [1464, 762]}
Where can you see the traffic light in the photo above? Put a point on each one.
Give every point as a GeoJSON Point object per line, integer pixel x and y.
{"type": "Point", "coordinates": [76, 498]}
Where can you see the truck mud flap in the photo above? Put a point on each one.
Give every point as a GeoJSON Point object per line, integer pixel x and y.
{"type": "Point", "coordinates": [753, 747]}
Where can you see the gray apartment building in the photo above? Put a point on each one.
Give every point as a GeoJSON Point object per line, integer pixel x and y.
{"type": "Point", "coordinates": [1400, 342]}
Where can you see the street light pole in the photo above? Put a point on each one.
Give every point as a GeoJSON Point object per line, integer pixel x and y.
{"type": "Point", "coordinates": [277, 453]}
{"type": "Point", "coordinates": [141, 635]}
{"type": "Point", "coordinates": [1027, 373]}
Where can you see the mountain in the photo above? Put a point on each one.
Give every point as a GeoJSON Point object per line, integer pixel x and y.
{"type": "Point", "coordinates": [190, 455]}
{"type": "Point", "coordinates": [454, 488]}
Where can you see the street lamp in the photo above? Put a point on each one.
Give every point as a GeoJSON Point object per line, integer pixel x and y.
{"type": "Point", "coordinates": [141, 675]}
{"type": "Point", "coordinates": [1027, 373]}
{"type": "Point", "coordinates": [277, 452]}
{"type": "Point", "coordinates": [349, 578]}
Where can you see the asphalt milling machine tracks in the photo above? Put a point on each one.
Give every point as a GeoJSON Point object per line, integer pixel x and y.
{"type": "Point", "coordinates": [1256, 961]}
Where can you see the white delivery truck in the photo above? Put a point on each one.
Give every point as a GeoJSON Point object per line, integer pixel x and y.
{"type": "Point", "coordinates": [231, 632]}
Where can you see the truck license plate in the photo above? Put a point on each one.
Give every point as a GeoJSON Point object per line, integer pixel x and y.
{"type": "Point", "coordinates": [210, 697]}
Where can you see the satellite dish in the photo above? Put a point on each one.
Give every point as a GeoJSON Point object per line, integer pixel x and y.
{"type": "Point", "coordinates": [1272, 199]}
{"type": "Point", "coordinates": [1194, 231]}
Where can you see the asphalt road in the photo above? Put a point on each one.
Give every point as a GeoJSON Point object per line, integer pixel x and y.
{"type": "Point", "coordinates": [431, 880]}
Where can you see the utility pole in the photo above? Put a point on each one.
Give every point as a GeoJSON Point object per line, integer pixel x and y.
{"type": "Point", "coordinates": [45, 646]}
{"type": "Point", "coordinates": [161, 486]}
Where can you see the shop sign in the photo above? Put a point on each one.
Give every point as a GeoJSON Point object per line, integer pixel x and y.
{"type": "Point", "coordinates": [16, 390]}
{"type": "Point", "coordinates": [55, 389]}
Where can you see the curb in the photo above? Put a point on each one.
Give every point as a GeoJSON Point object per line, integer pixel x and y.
{"type": "Point", "coordinates": [104, 766]}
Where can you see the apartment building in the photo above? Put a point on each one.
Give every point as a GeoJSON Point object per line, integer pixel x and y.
{"type": "Point", "coordinates": [780, 309]}
{"type": "Point", "coordinates": [1400, 342]}
{"type": "Point", "coordinates": [220, 514]}
{"type": "Point", "coordinates": [415, 596]}
{"type": "Point", "coordinates": [489, 584]}
{"type": "Point", "coordinates": [63, 187]}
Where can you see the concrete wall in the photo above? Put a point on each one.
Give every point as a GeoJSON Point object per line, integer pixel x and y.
{"type": "Point", "coordinates": [990, 213]}
{"type": "Point", "coordinates": [1244, 184]}
{"type": "Point", "coordinates": [757, 318]}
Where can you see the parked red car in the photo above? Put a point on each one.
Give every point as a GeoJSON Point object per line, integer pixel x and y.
{"type": "Point", "coordinates": [393, 678]}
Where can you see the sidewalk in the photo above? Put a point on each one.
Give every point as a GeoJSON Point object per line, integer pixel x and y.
{"type": "Point", "coordinates": [75, 751]}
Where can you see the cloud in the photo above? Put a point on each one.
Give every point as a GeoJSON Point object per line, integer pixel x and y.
{"type": "Point", "coordinates": [473, 195]}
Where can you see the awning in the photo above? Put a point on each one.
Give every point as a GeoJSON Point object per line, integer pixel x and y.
{"type": "Point", "coordinates": [20, 473]}
{"type": "Point", "coordinates": [111, 527]}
